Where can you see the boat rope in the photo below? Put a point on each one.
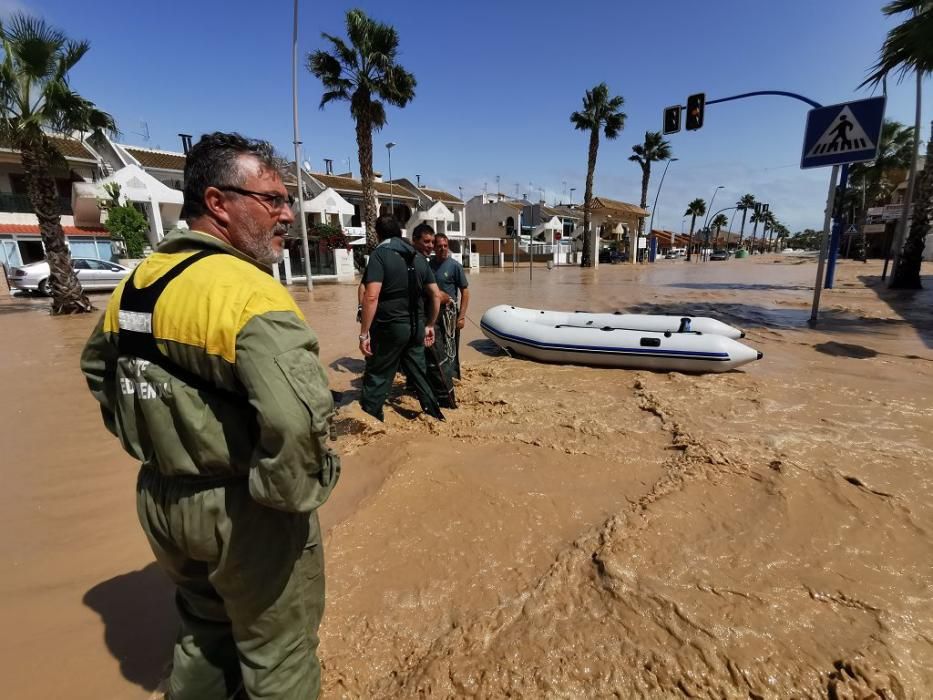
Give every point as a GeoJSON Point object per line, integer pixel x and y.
{"type": "Point", "coordinates": [480, 328]}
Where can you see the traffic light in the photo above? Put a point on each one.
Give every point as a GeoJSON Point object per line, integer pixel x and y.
{"type": "Point", "coordinates": [672, 119]}
{"type": "Point", "coordinates": [695, 106]}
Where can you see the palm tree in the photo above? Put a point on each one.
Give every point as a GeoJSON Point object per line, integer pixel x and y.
{"type": "Point", "coordinates": [600, 111]}
{"type": "Point", "coordinates": [35, 98]}
{"type": "Point", "coordinates": [365, 74]}
{"type": "Point", "coordinates": [654, 149]}
{"type": "Point", "coordinates": [717, 223]}
{"type": "Point", "coordinates": [745, 203]}
{"type": "Point", "coordinates": [696, 208]}
{"type": "Point", "coordinates": [907, 48]}
{"type": "Point", "coordinates": [871, 181]}
{"type": "Point", "coordinates": [757, 217]}
{"type": "Point", "coordinates": [771, 225]}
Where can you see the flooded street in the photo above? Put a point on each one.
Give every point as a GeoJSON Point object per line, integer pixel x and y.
{"type": "Point", "coordinates": [568, 532]}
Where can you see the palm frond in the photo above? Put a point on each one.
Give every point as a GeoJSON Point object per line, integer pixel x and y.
{"type": "Point", "coordinates": [614, 123]}
{"type": "Point", "coordinates": [334, 96]}
{"type": "Point", "coordinates": [325, 66]}
{"type": "Point", "coordinates": [345, 55]}
{"type": "Point", "coordinates": [377, 112]}
{"type": "Point", "coordinates": [908, 47]}
{"type": "Point", "coordinates": [696, 208]}
{"type": "Point", "coordinates": [397, 86]}
{"type": "Point", "coordinates": [73, 52]}
{"type": "Point", "coordinates": [582, 121]}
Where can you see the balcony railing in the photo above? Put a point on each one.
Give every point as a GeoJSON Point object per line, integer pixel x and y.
{"type": "Point", "coordinates": [19, 203]}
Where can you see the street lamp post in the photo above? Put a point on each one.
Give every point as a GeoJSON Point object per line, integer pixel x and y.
{"type": "Point", "coordinates": [301, 196]}
{"type": "Point", "coordinates": [389, 147]}
{"type": "Point", "coordinates": [657, 194]}
{"type": "Point", "coordinates": [734, 207]}
{"type": "Point", "coordinates": [710, 209]}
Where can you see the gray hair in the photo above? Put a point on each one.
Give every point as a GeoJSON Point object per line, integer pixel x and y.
{"type": "Point", "coordinates": [214, 162]}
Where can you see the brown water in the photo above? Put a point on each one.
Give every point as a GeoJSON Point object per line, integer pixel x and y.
{"type": "Point", "coordinates": [569, 532]}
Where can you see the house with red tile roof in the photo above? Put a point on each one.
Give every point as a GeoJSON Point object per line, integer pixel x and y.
{"type": "Point", "coordinates": [20, 242]}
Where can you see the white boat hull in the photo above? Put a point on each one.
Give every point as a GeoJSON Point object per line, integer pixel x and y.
{"type": "Point", "coordinates": [636, 322]}
{"type": "Point", "coordinates": [533, 334]}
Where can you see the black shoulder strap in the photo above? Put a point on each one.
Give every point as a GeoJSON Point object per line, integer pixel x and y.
{"type": "Point", "coordinates": [136, 309]}
{"type": "Point", "coordinates": [414, 290]}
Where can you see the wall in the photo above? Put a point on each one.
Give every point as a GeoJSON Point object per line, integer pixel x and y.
{"type": "Point", "coordinates": [487, 218]}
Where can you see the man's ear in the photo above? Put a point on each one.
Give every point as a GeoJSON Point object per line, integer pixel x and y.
{"type": "Point", "coordinates": [217, 204]}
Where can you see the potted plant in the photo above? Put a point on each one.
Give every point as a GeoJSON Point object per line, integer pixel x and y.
{"type": "Point", "coordinates": [126, 225]}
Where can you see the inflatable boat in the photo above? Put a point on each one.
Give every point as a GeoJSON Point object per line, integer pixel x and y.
{"type": "Point", "coordinates": [681, 343]}
{"type": "Point", "coordinates": [633, 322]}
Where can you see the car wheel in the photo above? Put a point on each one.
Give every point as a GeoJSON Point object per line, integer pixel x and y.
{"type": "Point", "coordinates": [44, 288]}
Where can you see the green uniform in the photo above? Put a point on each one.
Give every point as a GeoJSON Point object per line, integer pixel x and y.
{"type": "Point", "coordinates": [397, 331]}
{"type": "Point", "coordinates": [231, 430]}
{"type": "Point", "coordinates": [452, 280]}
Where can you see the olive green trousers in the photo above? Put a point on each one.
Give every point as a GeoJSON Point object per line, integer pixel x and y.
{"type": "Point", "coordinates": [249, 588]}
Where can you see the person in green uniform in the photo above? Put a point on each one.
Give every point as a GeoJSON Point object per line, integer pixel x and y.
{"type": "Point", "coordinates": [394, 328]}
{"type": "Point", "coordinates": [455, 300]}
{"type": "Point", "coordinates": [205, 370]}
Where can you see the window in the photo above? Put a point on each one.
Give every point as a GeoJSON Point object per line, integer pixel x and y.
{"type": "Point", "coordinates": [472, 225]}
{"type": "Point", "coordinates": [80, 264]}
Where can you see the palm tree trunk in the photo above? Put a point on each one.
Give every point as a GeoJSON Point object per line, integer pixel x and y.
{"type": "Point", "coordinates": [742, 230]}
{"type": "Point", "coordinates": [693, 222]}
{"type": "Point", "coordinates": [907, 274]}
{"type": "Point", "coordinates": [586, 260]}
{"type": "Point", "coordinates": [751, 243]}
{"type": "Point", "coordinates": [38, 156]}
{"type": "Point", "coordinates": [645, 177]}
{"type": "Point", "coordinates": [901, 277]}
{"type": "Point", "coordinates": [862, 222]}
{"type": "Point", "coordinates": [364, 144]}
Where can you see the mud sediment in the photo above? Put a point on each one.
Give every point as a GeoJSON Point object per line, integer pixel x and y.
{"type": "Point", "coordinates": [568, 532]}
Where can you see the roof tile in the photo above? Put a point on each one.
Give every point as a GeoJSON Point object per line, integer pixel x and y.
{"type": "Point", "coordinates": [159, 160]}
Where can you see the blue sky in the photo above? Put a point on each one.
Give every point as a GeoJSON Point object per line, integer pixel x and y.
{"type": "Point", "coordinates": [497, 83]}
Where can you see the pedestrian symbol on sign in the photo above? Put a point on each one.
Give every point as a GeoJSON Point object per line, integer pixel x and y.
{"type": "Point", "coordinates": [844, 134]}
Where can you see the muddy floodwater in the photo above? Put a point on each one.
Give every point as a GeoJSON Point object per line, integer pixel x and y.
{"type": "Point", "coordinates": [569, 532]}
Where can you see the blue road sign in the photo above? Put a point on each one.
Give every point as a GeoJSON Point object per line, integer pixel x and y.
{"type": "Point", "coordinates": [845, 133]}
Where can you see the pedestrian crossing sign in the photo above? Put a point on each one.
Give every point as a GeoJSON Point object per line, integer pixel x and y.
{"type": "Point", "coordinates": [845, 133]}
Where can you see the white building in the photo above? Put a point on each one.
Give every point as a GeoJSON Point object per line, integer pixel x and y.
{"type": "Point", "coordinates": [495, 223]}
{"type": "Point", "coordinates": [445, 213]}
{"type": "Point", "coordinates": [20, 242]}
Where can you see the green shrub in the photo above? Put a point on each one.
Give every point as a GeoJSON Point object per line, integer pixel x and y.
{"type": "Point", "coordinates": [126, 223]}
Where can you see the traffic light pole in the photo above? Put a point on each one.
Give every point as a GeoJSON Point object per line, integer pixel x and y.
{"type": "Point", "coordinates": [824, 238]}
{"type": "Point", "coordinates": [837, 229]}
{"type": "Point", "coordinates": [830, 199]}
{"type": "Point", "coordinates": [781, 93]}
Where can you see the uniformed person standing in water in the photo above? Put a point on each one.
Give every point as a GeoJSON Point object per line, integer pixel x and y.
{"type": "Point", "coordinates": [455, 300]}
{"type": "Point", "coordinates": [206, 371]}
{"type": "Point", "coordinates": [394, 328]}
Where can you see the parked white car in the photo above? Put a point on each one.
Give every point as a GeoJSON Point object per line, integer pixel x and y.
{"type": "Point", "coordinates": [92, 273]}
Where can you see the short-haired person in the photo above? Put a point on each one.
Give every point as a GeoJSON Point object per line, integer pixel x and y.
{"type": "Point", "coordinates": [395, 328]}
{"type": "Point", "coordinates": [422, 239]}
{"type": "Point", "coordinates": [455, 300]}
{"type": "Point", "coordinates": [205, 370]}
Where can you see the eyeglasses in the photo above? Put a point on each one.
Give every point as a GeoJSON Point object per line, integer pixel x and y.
{"type": "Point", "coordinates": [276, 200]}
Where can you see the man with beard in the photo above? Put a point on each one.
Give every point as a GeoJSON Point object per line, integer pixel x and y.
{"type": "Point", "coordinates": [206, 371]}
{"type": "Point", "coordinates": [455, 298]}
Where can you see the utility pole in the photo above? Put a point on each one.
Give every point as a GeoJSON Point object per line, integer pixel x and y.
{"type": "Point", "coordinates": [301, 193]}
